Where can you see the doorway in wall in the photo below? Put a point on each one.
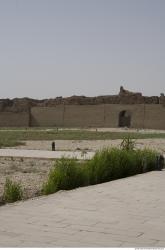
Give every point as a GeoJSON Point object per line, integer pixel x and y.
{"type": "Point", "coordinates": [124, 119]}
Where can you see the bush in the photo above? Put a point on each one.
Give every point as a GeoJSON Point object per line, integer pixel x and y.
{"type": "Point", "coordinates": [66, 174]}
{"type": "Point", "coordinates": [106, 165]}
{"type": "Point", "coordinates": [148, 159]}
{"type": "Point", "coordinates": [111, 164]}
{"type": "Point", "coordinates": [12, 191]}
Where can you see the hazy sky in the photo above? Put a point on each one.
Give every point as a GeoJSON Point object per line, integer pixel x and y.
{"type": "Point", "coordinates": [52, 48]}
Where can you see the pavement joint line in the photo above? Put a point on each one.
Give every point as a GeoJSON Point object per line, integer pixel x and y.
{"type": "Point", "coordinates": [81, 226]}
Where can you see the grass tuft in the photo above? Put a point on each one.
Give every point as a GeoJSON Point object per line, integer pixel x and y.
{"type": "Point", "coordinates": [65, 175]}
{"type": "Point", "coordinates": [12, 191]}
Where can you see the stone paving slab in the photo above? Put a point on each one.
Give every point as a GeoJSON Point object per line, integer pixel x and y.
{"type": "Point", "coordinates": [129, 212]}
{"type": "Point", "coordinates": [45, 154]}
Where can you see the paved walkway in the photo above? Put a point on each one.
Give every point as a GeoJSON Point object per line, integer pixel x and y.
{"type": "Point", "coordinates": [44, 154]}
{"type": "Point", "coordinates": [123, 213]}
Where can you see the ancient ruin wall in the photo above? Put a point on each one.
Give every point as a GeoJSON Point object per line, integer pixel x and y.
{"type": "Point", "coordinates": [84, 116]}
{"type": "Point", "coordinates": [124, 97]}
{"type": "Point", "coordinates": [81, 111]}
{"type": "Point", "coordinates": [47, 116]}
{"type": "Point", "coordinates": [14, 119]}
{"type": "Point", "coordinates": [154, 116]}
{"type": "Point", "coordinates": [107, 115]}
{"type": "Point", "coordinates": [112, 112]}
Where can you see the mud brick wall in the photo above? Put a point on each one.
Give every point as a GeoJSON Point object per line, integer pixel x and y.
{"type": "Point", "coordinates": [103, 115]}
{"type": "Point", "coordinates": [84, 116]}
{"type": "Point", "coordinates": [150, 116]}
{"type": "Point", "coordinates": [14, 119]}
{"type": "Point", "coordinates": [112, 114]}
{"type": "Point", "coordinates": [47, 116]}
{"type": "Point", "coordinates": [154, 116]}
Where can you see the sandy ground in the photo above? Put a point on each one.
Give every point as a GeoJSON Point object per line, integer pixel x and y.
{"type": "Point", "coordinates": [92, 145]}
{"type": "Point", "coordinates": [30, 173]}
{"type": "Point", "coordinates": [139, 130]}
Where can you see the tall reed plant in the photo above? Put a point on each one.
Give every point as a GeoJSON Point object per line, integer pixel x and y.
{"type": "Point", "coordinates": [12, 191]}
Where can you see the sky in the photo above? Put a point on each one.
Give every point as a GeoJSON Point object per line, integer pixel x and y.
{"type": "Point", "coordinates": [52, 48]}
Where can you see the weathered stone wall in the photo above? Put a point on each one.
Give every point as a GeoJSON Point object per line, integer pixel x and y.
{"type": "Point", "coordinates": [154, 116]}
{"type": "Point", "coordinates": [81, 111]}
{"type": "Point", "coordinates": [14, 119]}
{"type": "Point", "coordinates": [124, 97]}
{"type": "Point", "coordinates": [47, 116]}
{"type": "Point", "coordinates": [84, 116]}
{"type": "Point", "coordinates": [112, 114]}
{"type": "Point", "coordinates": [104, 115]}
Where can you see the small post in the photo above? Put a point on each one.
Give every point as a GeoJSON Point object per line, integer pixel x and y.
{"type": "Point", "coordinates": [53, 146]}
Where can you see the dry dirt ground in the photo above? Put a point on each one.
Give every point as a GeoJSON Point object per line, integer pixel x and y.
{"type": "Point", "coordinates": [92, 145]}
{"type": "Point", "coordinates": [31, 173]}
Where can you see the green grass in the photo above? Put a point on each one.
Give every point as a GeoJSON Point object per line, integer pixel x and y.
{"type": "Point", "coordinates": [12, 191]}
{"type": "Point", "coordinates": [112, 164]}
{"type": "Point", "coordinates": [66, 174]}
{"type": "Point", "coordinates": [9, 138]}
{"type": "Point", "coordinates": [9, 143]}
{"type": "Point", "coordinates": [106, 165]}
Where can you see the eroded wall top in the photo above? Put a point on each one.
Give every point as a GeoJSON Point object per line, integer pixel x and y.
{"type": "Point", "coordinates": [124, 97]}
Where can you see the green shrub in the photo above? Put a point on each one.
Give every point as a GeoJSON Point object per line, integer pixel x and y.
{"type": "Point", "coordinates": [66, 174]}
{"type": "Point", "coordinates": [148, 159]}
{"type": "Point", "coordinates": [106, 165]}
{"type": "Point", "coordinates": [111, 164]}
{"type": "Point", "coordinates": [12, 191]}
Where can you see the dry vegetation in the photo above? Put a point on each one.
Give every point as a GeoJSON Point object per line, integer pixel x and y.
{"type": "Point", "coordinates": [30, 173]}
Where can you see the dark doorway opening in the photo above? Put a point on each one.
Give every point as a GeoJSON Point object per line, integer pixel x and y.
{"type": "Point", "coordinates": [124, 119]}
